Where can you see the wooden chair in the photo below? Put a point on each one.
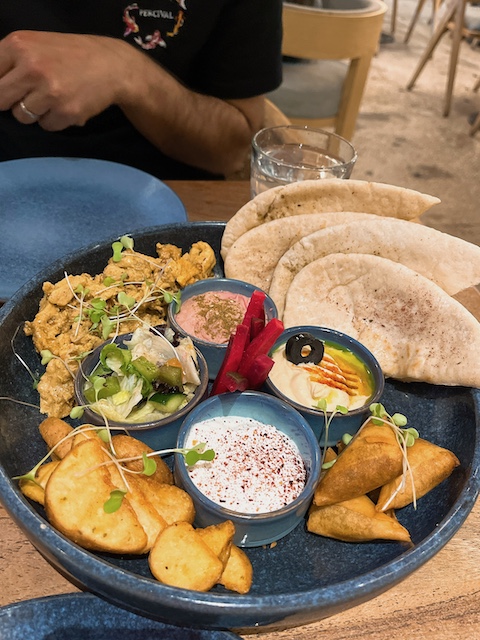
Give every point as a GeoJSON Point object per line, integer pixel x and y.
{"type": "Point", "coordinates": [452, 20]}
{"type": "Point", "coordinates": [325, 88]}
{"type": "Point", "coordinates": [416, 15]}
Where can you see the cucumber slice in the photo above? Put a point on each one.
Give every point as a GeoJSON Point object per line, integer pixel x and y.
{"type": "Point", "coordinates": [167, 402]}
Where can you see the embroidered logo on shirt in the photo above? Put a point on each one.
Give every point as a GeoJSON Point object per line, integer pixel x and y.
{"type": "Point", "coordinates": [139, 20]}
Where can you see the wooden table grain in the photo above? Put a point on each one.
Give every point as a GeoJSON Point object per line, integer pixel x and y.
{"type": "Point", "coordinates": [440, 601]}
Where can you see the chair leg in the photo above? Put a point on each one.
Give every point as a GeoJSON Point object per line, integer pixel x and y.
{"type": "Point", "coordinates": [441, 29]}
{"type": "Point", "coordinates": [413, 22]}
{"type": "Point", "coordinates": [477, 85]}
{"type": "Point", "coordinates": [457, 38]}
{"type": "Point", "coordinates": [476, 125]}
{"type": "Point", "coordinates": [393, 23]}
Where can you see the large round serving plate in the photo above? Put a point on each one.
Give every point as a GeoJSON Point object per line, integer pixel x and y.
{"type": "Point", "coordinates": [303, 578]}
{"type": "Point", "coordinates": [52, 206]}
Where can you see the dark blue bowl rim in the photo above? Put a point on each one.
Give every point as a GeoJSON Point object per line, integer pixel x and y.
{"type": "Point", "coordinates": [357, 347]}
{"type": "Point", "coordinates": [312, 479]}
{"type": "Point", "coordinates": [253, 612]}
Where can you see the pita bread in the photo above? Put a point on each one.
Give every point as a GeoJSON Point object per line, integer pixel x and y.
{"type": "Point", "coordinates": [255, 254]}
{"type": "Point", "coordinates": [415, 330]}
{"type": "Point", "coordinates": [318, 196]}
{"type": "Point", "coordinates": [453, 264]}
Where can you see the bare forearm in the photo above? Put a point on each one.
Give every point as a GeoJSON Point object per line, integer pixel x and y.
{"type": "Point", "coordinates": [200, 130]}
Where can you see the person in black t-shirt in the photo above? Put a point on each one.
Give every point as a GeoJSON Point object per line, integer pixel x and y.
{"type": "Point", "coordinates": [172, 87]}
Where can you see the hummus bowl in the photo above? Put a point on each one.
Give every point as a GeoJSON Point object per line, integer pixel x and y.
{"type": "Point", "coordinates": [210, 328]}
{"type": "Point", "coordinates": [270, 435]}
{"type": "Point", "coordinates": [348, 377]}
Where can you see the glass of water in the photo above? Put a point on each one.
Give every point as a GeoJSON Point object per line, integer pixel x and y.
{"type": "Point", "coordinates": [290, 153]}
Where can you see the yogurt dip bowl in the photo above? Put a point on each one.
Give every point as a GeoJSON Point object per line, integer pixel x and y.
{"type": "Point", "coordinates": [353, 380]}
{"type": "Point", "coordinates": [160, 430]}
{"type": "Point", "coordinates": [252, 529]}
{"type": "Point", "coordinates": [210, 310]}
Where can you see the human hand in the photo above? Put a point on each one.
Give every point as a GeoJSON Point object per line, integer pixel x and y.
{"type": "Point", "coordinates": [61, 79]}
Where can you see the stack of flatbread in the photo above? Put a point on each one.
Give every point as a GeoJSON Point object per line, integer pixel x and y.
{"type": "Point", "coordinates": [349, 255]}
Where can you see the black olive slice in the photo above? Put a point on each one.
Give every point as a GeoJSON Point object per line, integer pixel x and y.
{"type": "Point", "coordinates": [303, 347]}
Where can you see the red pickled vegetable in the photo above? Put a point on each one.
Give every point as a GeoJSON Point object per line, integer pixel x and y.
{"type": "Point", "coordinates": [259, 371]}
{"type": "Point", "coordinates": [257, 324]}
{"type": "Point", "coordinates": [233, 356]}
{"type": "Point", "coordinates": [235, 382]}
{"type": "Point", "coordinates": [255, 308]}
{"type": "Point", "coordinates": [260, 345]}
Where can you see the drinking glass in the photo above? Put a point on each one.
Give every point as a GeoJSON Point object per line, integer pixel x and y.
{"type": "Point", "coordinates": [289, 153]}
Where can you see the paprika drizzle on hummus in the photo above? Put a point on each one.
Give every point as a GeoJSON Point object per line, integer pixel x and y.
{"type": "Point", "coordinates": [212, 316]}
{"type": "Point", "coordinates": [256, 469]}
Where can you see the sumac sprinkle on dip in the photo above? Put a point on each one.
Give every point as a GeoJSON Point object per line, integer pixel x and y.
{"type": "Point", "coordinates": [256, 469]}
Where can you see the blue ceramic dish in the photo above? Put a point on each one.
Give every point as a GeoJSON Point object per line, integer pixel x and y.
{"type": "Point", "coordinates": [83, 616]}
{"type": "Point", "coordinates": [296, 582]}
{"type": "Point", "coordinates": [215, 353]}
{"type": "Point", "coordinates": [341, 423]}
{"type": "Point", "coordinates": [158, 434]}
{"type": "Point", "coordinates": [253, 530]}
{"type": "Point", "coordinates": [58, 205]}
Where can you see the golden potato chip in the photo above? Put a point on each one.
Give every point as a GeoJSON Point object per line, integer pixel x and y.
{"type": "Point", "coordinates": [355, 520]}
{"type": "Point", "coordinates": [127, 447]}
{"type": "Point", "coordinates": [238, 573]}
{"type": "Point", "coordinates": [370, 460]}
{"type": "Point", "coordinates": [171, 502]}
{"type": "Point", "coordinates": [151, 521]}
{"type": "Point", "coordinates": [75, 497]}
{"type": "Point", "coordinates": [429, 465]}
{"type": "Point", "coordinates": [219, 538]}
{"type": "Point", "coordinates": [181, 558]}
{"type": "Point", "coordinates": [36, 490]}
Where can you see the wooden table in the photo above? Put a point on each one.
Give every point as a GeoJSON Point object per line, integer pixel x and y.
{"type": "Point", "coordinates": [441, 601]}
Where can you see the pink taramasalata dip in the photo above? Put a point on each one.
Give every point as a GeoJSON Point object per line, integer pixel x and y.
{"type": "Point", "coordinates": [256, 469]}
{"type": "Point", "coordinates": [212, 316]}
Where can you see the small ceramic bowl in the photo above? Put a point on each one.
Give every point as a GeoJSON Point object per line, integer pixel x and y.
{"type": "Point", "coordinates": [157, 434]}
{"type": "Point", "coordinates": [253, 529]}
{"type": "Point", "coordinates": [214, 352]}
{"type": "Point", "coordinates": [340, 423]}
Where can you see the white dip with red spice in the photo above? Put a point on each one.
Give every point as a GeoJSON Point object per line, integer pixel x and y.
{"type": "Point", "coordinates": [256, 469]}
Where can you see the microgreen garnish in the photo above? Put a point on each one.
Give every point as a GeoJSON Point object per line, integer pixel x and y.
{"type": "Point", "coordinates": [34, 377]}
{"type": "Point", "coordinates": [405, 438]}
{"type": "Point", "coordinates": [76, 412]}
{"type": "Point", "coordinates": [115, 501]}
{"type": "Point", "coordinates": [125, 242]}
{"type": "Point", "coordinates": [125, 300]}
{"type": "Point", "coordinates": [169, 297]}
{"type": "Point", "coordinates": [322, 405]}
{"type": "Point", "coordinates": [149, 465]}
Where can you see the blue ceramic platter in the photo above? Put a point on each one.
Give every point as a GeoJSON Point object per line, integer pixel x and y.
{"type": "Point", "coordinates": [52, 206]}
{"type": "Point", "coordinates": [302, 579]}
{"type": "Point", "coordinates": [83, 616]}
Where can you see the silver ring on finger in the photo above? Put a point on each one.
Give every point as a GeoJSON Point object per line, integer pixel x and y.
{"type": "Point", "coordinates": [33, 116]}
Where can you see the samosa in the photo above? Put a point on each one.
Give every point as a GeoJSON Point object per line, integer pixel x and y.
{"type": "Point", "coordinates": [355, 520]}
{"type": "Point", "coordinates": [429, 465]}
{"type": "Point", "coordinates": [373, 458]}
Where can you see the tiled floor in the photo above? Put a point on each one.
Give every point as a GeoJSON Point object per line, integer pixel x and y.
{"type": "Point", "coordinates": [402, 137]}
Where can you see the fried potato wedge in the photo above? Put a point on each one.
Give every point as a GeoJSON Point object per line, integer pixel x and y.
{"type": "Point", "coordinates": [171, 502]}
{"type": "Point", "coordinates": [219, 538]}
{"type": "Point", "coordinates": [127, 447]}
{"type": "Point", "coordinates": [429, 465]}
{"type": "Point", "coordinates": [355, 520]}
{"type": "Point", "coordinates": [53, 431]}
{"type": "Point", "coordinates": [75, 496]}
{"type": "Point", "coordinates": [238, 573]}
{"type": "Point", "coordinates": [149, 518]}
{"type": "Point", "coordinates": [36, 490]}
{"type": "Point", "coordinates": [181, 558]}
